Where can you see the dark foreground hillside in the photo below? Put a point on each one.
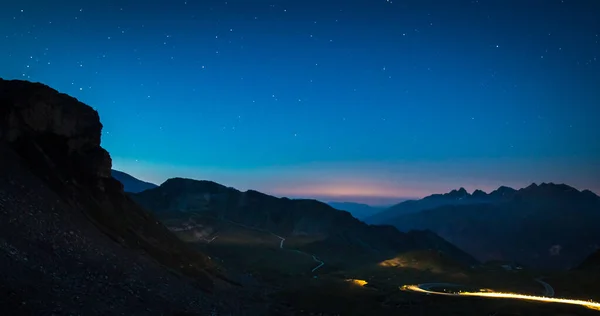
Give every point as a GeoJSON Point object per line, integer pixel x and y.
{"type": "Point", "coordinates": [71, 241]}
{"type": "Point", "coordinates": [591, 262]}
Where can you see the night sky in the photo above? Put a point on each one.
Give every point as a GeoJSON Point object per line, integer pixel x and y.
{"type": "Point", "coordinates": [361, 100]}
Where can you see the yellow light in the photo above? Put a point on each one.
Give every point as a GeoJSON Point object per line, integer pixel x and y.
{"type": "Point", "coordinates": [358, 282]}
{"type": "Point", "coordinates": [588, 304]}
{"type": "Point", "coordinates": [488, 293]}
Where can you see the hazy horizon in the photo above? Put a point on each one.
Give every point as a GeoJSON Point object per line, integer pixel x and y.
{"type": "Point", "coordinates": [361, 101]}
{"type": "Point", "coordinates": [376, 200]}
{"type": "Point", "coordinates": [308, 98]}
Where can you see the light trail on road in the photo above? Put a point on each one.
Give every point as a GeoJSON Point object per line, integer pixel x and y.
{"type": "Point", "coordinates": [281, 240]}
{"type": "Point", "coordinates": [515, 296]}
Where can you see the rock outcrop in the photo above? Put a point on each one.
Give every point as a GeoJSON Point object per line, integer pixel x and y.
{"type": "Point", "coordinates": [71, 241]}
{"type": "Point", "coordinates": [38, 113]}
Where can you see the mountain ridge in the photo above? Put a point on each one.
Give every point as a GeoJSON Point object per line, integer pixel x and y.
{"type": "Point", "coordinates": [358, 210]}
{"type": "Point", "coordinates": [591, 262]}
{"type": "Point", "coordinates": [461, 197]}
{"type": "Point", "coordinates": [289, 218]}
{"type": "Point", "coordinates": [130, 183]}
{"type": "Point", "coordinates": [553, 224]}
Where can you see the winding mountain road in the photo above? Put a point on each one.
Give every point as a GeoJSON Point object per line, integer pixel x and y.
{"type": "Point", "coordinates": [208, 241]}
{"type": "Point", "coordinates": [282, 240]}
{"type": "Point", "coordinates": [321, 263]}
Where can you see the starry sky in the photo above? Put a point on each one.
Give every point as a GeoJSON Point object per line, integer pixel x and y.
{"type": "Point", "coordinates": [365, 100]}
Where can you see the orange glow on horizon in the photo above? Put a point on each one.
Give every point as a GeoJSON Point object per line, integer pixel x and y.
{"type": "Point", "coordinates": [352, 181]}
{"type": "Point", "coordinates": [376, 190]}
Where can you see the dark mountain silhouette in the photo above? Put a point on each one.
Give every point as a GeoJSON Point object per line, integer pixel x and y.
{"type": "Point", "coordinates": [548, 226]}
{"type": "Point", "coordinates": [592, 262]}
{"type": "Point", "coordinates": [455, 197]}
{"type": "Point", "coordinates": [130, 183]}
{"type": "Point", "coordinates": [338, 235]}
{"type": "Point", "coordinates": [358, 210]}
{"type": "Point", "coordinates": [71, 241]}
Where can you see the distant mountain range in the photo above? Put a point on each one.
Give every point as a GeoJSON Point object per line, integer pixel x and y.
{"type": "Point", "coordinates": [551, 226]}
{"type": "Point", "coordinates": [134, 185]}
{"type": "Point", "coordinates": [336, 236]}
{"type": "Point", "coordinates": [309, 215]}
{"type": "Point", "coordinates": [455, 197]}
{"type": "Point", "coordinates": [358, 210]}
{"type": "Point", "coordinates": [485, 225]}
{"type": "Point", "coordinates": [130, 183]}
{"type": "Point", "coordinates": [73, 241]}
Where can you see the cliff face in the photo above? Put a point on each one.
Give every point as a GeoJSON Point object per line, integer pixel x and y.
{"type": "Point", "coordinates": [61, 125]}
{"type": "Point", "coordinates": [68, 229]}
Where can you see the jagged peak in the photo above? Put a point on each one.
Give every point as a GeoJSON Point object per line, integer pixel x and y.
{"type": "Point", "coordinates": [479, 193]}
{"type": "Point", "coordinates": [461, 192]}
{"type": "Point", "coordinates": [503, 190]}
{"type": "Point", "coordinates": [547, 186]}
{"type": "Point", "coordinates": [531, 186]}
{"type": "Point", "coordinates": [590, 193]}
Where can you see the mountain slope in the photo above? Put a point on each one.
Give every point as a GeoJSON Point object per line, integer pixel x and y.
{"type": "Point", "coordinates": [71, 241]}
{"type": "Point", "coordinates": [130, 183]}
{"type": "Point", "coordinates": [591, 262]}
{"type": "Point", "coordinates": [455, 197]}
{"type": "Point", "coordinates": [358, 210]}
{"type": "Point", "coordinates": [333, 235]}
{"type": "Point", "coordinates": [548, 226]}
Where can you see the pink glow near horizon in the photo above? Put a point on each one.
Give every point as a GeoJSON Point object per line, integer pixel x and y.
{"type": "Point", "coordinates": [374, 184]}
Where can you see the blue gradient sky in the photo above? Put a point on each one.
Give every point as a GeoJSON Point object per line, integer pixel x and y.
{"type": "Point", "coordinates": [357, 100]}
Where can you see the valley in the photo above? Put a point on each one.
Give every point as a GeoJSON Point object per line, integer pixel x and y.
{"type": "Point", "coordinates": [379, 287]}
{"type": "Point", "coordinates": [73, 241]}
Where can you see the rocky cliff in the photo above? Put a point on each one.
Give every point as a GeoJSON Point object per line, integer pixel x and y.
{"type": "Point", "coordinates": [34, 115]}
{"type": "Point", "coordinates": [71, 241]}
